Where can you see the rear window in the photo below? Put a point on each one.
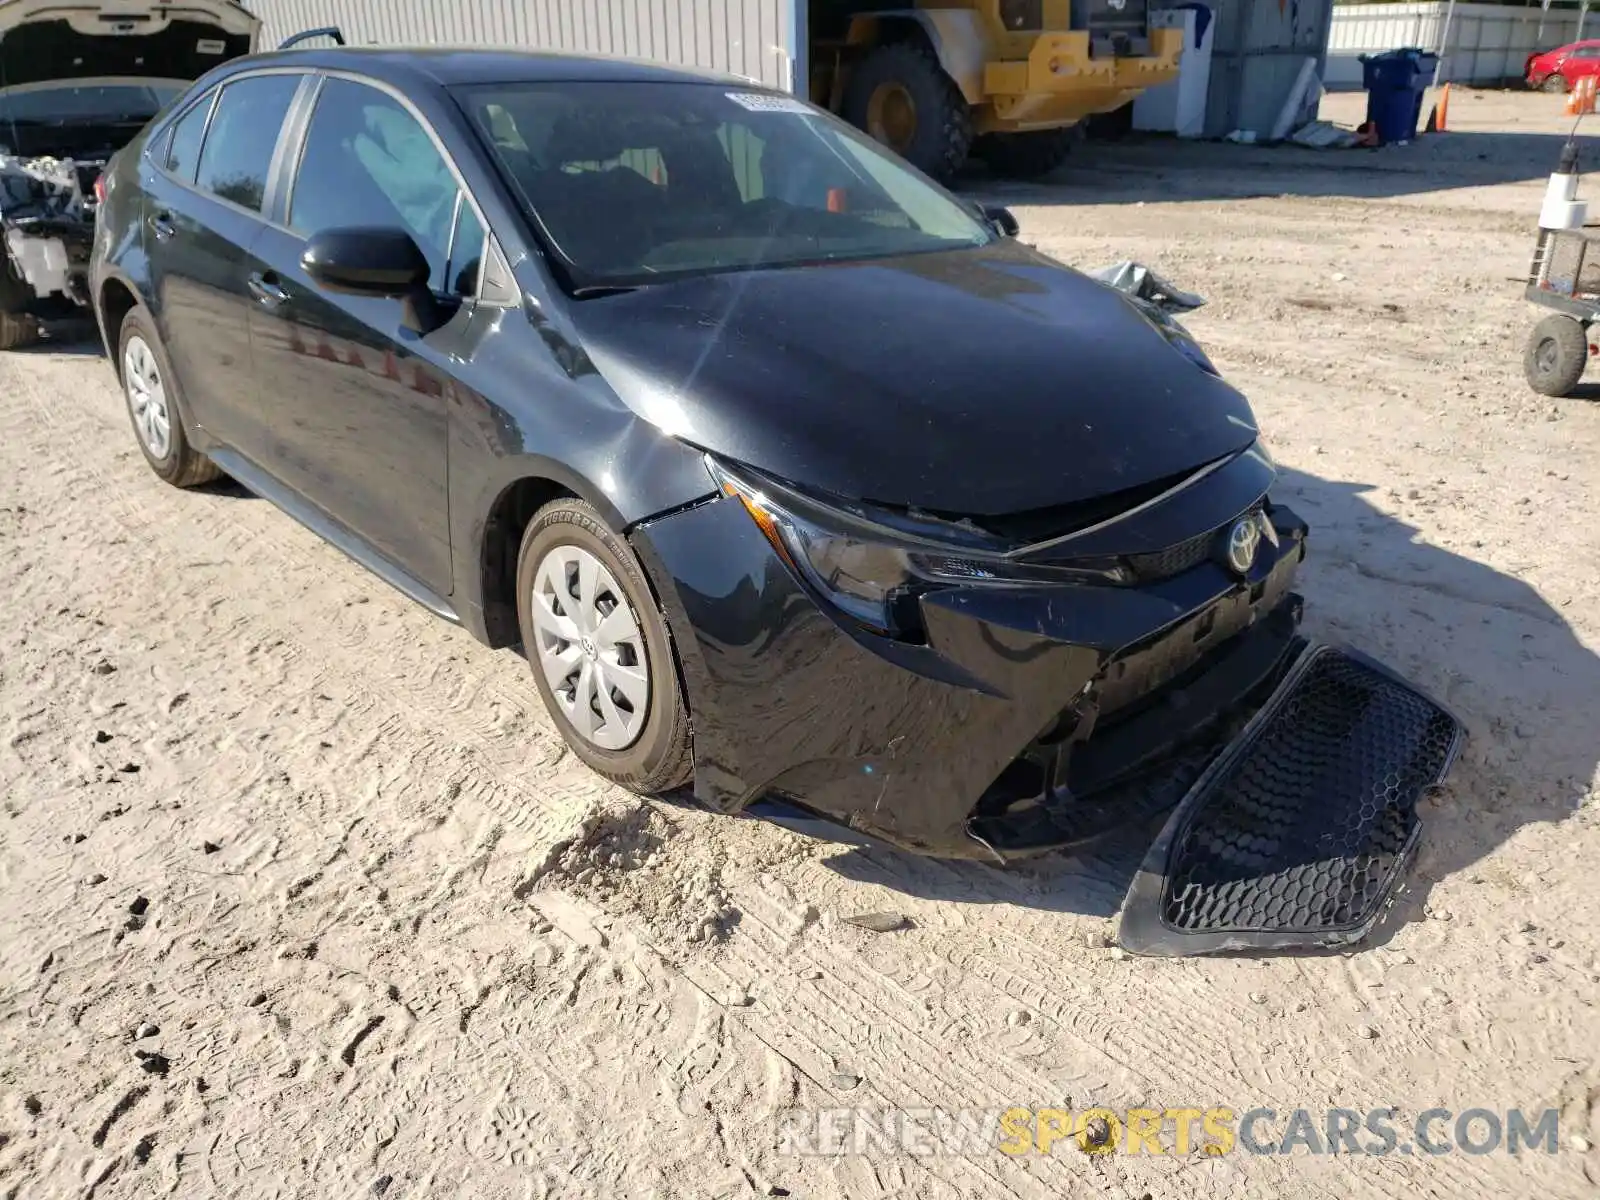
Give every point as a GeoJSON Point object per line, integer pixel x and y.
{"type": "Point", "coordinates": [114, 104]}
{"type": "Point", "coordinates": [183, 152]}
{"type": "Point", "coordinates": [243, 134]}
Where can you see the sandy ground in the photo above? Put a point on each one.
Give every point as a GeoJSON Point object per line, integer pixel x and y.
{"type": "Point", "coordinates": [300, 896]}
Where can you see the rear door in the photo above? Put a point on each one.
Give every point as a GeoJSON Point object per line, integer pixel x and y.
{"type": "Point", "coordinates": [1585, 60]}
{"type": "Point", "coordinates": [358, 400]}
{"type": "Point", "coordinates": [204, 193]}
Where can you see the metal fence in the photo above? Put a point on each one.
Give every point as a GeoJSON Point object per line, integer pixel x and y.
{"type": "Point", "coordinates": [1489, 43]}
{"type": "Point", "coordinates": [755, 38]}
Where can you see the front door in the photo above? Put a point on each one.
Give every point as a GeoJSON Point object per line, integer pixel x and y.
{"type": "Point", "coordinates": [358, 399]}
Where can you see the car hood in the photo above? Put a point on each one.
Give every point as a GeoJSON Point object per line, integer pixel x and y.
{"type": "Point", "coordinates": [51, 40]}
{"type": "Point", "coordinates": [988, 381]}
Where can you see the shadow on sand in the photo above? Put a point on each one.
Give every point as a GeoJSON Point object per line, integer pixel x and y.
{"type": "Point", "coordinates": [1483, 643]}
{"type": "Point", "coordinates": [1147, 167]}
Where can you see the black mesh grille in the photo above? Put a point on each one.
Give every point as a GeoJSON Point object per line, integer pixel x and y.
{"type": "Point", "coordinates": [1306, 829]}
{"type": "Point", "coordinates": [1175, 560]}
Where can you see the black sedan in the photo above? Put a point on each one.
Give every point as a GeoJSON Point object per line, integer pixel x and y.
{"type": "Point", "coordinates": [792, 473]}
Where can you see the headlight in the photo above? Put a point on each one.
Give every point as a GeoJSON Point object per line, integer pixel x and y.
{"type": "Point", "coordinates": [871, 573]}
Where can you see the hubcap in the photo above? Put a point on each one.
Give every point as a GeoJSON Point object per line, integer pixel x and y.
{"type": "Point", "coordinates": [588, 644]}
{"type": "Point", "coordinates": [892, 116]}
{"type": "Point", "coordinates": [1545, 356]}
{"type": "Point", "coordinates": [147, 397]}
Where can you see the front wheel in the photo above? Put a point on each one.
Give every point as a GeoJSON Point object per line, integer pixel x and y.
{"type": "Point", "coordinates": [601, 655]}
{"type": "Point", "coordinates": [1554, 83]}
{"type": "Point", "coordinates": [1556, 354]}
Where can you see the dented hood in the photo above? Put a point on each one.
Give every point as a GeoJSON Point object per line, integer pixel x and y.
{"type": "Point", "coordinates": [44, 41]}
{"type": "Point", "coordinates": [980, 382]}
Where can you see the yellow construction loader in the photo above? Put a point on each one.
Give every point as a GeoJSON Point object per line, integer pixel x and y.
{"type": "Point", "coordinates": [1003, 80]}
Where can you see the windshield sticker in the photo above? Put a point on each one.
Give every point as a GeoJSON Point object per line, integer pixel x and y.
{"type": "Point", "coordinates": [210, 46]}
{"type": "Point", "coordinates": [759, 102]}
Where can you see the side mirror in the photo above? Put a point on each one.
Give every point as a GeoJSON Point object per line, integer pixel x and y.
{"type": "Point", "coordinates": [375, 261]}
{"type": "Point", "coordinates": [365, 261]}
{"type": "Point", "coordinates": [1002, 218]}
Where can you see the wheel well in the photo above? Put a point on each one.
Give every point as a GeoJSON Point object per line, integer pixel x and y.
{"type": "Point", "coordinates": [116, 302]}
{"type": "Point", "coordinates": [502, 541]}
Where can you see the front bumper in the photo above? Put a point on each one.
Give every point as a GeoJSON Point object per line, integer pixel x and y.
{"type": "Point", "coordinates": [1033, 717]}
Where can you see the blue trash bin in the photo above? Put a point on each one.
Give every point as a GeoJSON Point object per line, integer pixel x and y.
{"type": "Point", "coordinates": [1396, 82]}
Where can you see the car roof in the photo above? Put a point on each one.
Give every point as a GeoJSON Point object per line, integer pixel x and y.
{"type": "Point", "coordinates": [450, 66]}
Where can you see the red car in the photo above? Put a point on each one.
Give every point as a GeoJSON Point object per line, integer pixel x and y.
{"type": "Point", "coordinates": [1555, 70]}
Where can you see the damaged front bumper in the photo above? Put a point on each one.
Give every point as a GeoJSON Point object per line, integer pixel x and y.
{"type": "Point", "coordinates": [1027, 718]}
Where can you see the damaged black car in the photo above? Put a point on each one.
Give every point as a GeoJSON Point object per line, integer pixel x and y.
{"type": "Point", "coordinates": [78, 81]}
{"type": "Point", "coordinates": [791, 473]}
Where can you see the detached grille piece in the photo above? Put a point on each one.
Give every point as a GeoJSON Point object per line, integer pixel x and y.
{"type": "Point", "coordinates": [1297, 833]}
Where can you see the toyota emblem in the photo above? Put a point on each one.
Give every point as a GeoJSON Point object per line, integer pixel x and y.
{"type": "Point", "coordinates": [1243, 541]}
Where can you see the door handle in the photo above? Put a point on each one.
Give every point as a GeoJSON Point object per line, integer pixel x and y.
{"type": "Point", "coordinates": [266, 290]}
{"type": "Point", "coordinates": [161, 225]}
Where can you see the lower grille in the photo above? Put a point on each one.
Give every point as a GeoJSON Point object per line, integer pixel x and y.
{"type": "Point", "coordinates": [1296, 835]}
{"type": "Point", "coordinates": [1185, 556]}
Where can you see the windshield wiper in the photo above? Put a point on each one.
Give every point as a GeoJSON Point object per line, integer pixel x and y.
{"type": "Point", "coordinates": [594, 291]}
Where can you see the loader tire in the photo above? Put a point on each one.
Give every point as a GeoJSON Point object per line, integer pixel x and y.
{"type": "Point", "coordinates": [900, 95]}
{"type": "Point", "coordinates": [1025, 155]}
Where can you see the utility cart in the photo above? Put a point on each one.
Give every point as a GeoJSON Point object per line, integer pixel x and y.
{"type": "Point", "coordinates": [1565, 278]}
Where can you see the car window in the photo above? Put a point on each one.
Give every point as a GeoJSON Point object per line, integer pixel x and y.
{"type": "Point", "coordinates": [183, 153]}
{"type": "Point", "coordinates": [368, 161]}
{"type": "Point", "coordinates": [466, 253]}
{"type": "Point", "coordinates": [242, 136]}
{"type": "Point", "coordinates": [635, 182]}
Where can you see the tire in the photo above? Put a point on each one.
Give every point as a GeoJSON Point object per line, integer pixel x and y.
{"type": "Point", "coordinates": [1557, 353]}
{"type": "Point", "coordinates": [18, 330]}
{"type": "Point", "coordinates": [659, 756]}
{"type": "Point", "coordinates": [18, 327]}
{"type": "Point", "coordinates": [941, 132]}
{"type": "Point", "coordinates": [177, 462]}
{"type": "Point", "coordinates": [1554, 83]}
{"type": "Point", "coordinates": [1025, 155]}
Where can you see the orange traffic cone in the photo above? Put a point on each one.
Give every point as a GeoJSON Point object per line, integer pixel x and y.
{"type": "Point", "coordinates": [1581, 98]}
{"type": "Point", "coordinates": [1441, 111]}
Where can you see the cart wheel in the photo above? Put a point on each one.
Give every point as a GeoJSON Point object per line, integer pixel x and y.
{"type": "Point", "coordinates": [1558, 351]}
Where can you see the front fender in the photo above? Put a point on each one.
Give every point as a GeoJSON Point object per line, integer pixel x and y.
{"type": "Point", "coordinates": [602, 453]}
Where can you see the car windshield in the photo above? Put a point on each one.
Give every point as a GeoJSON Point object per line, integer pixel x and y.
{"type": "Point", "coordinates": [120, 103]}
{"type": "Point", "coordinates": [637, 182]}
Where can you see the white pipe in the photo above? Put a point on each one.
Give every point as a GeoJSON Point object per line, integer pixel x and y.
{"type": "Point", "coordinates": [1444, 41]}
